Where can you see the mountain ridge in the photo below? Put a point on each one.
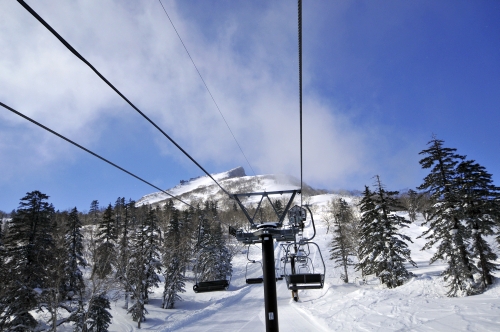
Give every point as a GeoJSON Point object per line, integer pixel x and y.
{"type": "Point", "coordinates": [234, 180]}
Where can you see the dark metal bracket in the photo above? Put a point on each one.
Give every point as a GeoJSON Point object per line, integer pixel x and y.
{"type": "Point", "coordinates": [266, 194]}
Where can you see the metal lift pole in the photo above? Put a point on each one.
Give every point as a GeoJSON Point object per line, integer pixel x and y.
{"type": "Point", "coordinates": [267, 233]}
{"type": "Point", "coordinates": [269, 274]}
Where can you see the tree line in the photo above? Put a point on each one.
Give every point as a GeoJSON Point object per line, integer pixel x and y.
{"type": "Point", "coordinates": [460, 206]}
{"type": "Point", "coordinates": [68, 272]}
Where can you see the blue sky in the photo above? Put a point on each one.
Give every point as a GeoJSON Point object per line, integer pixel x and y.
{"type": "Point", "coordinates": [380, 77]}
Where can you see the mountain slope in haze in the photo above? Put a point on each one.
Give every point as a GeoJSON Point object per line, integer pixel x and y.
{"type": "Point", "coordinates": [234, 181]}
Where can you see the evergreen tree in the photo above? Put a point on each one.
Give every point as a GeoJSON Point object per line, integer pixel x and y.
{"type": "Point", "coordinates": [144, 264]}
{"type": "Point", "coordinates": [386, 252]}
{"type": "Point", "coordinates": [106, 250]}
{"type": "Point", "coordinates": [410, 202]}
{"type": "Point", "coordinates": [278, 207]}
{"type": "Point", "coordinates": [340, 251]}
{"type": "Point", "coordinates": [56, 292]}
{"type": "Point", "coordinates": [74, 246]}
{"type": "Point", "coordinates": [369, 233]}
{"type": "Point", "coordinates": [445, 228]}
{"type": "Point", "coordinates": [172, 260]}
{"type": "Point", "coordinates": [119, 210]}
{"type": "Point", "coordinates": [214, 257]}
{"type": "Point", "coordinates": [481, 213]}
{"type": "Point", "coordinates": [107, 231]}
{"type": "Point", "coordinates": [94, 212]}
{"type": "Point", "coordinates": [188, 236]}
{"type": "Point", "coordinates": [29, 245]}
{"type": "Point", "coordinates": [152, 254]}
{"type": "Point", "coordinates": [98, 317]}
{"type": "Point", "coordinates": [126, 225]}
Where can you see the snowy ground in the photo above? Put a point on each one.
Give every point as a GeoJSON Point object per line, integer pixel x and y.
{"type": "Point", "coordinates": [419, 305]}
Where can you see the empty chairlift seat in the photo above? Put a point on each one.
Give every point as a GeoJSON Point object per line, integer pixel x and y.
{"type": "Point", "coordinates": [258, 280]}
{"type": "Point", "coordinates": [300, 270]}
{"type": "Point", "coordinates": [254, 280]}
{"type": "Point", "coordinates": [305, 281]}
{"type": "Point", "coordinates": [210, 286]}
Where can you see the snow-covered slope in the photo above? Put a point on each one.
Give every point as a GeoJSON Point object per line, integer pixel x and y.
{"type": "Point", "coordinates": [419, 305]}
{"type": "Point", "coordinates": [234, 181]}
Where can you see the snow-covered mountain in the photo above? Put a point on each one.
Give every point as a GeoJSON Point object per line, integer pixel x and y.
{"type": "Point", "coordinates": [234, 181]}
{"type": "Point", "coordinates": [419, 305]}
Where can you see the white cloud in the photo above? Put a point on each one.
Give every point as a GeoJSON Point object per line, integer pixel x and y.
{"type": "Point", "coordinates": [252, 73]}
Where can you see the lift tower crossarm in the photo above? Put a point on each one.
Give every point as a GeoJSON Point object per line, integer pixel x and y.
{"type": "Point", "coordinates": [266, 194]}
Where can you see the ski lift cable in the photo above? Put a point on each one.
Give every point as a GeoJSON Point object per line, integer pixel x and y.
{"type": "Point", "coordinates": [92, 153]}
{"type": "Point", "coordinates": [206, 86]}
{"type": "Point", "coordinates": [100, 157]}
{"type": "Point", "coordinates": [300, 88]}
{"type": "Point", "coordinates": [78, 55]}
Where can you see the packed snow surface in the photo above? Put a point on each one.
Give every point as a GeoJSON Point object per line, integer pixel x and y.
{"type": "Point", "coordinates": [419, 305]}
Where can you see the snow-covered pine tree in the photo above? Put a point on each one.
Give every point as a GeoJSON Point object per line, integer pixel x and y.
{"type": "Point", "coordinates": [29, 249]}
{"type": "Point", "coordinates": [94, 212]}
{"type": "Point", "coordinates": [106, 250]}
{"type": "Point", "coordinates": [445, 227]}
{"type": "Point", "coordinates": [98, 317]}
{"type": "Point", "coordinates": [122, 264]}
{"type": "Point", "coordinates": [340, 250]}
{"type": "Point", "coordinates": [153, 261]}
{"type": "Point", "coordinates": [56, 294]}
{"type": "Point", "coordinates": [74, 244]}
{"type": "Point", "coordinates": [144, 262]}
{"type": "Point", "coordinates": [189, 229]}
{"type": "Point", "coordinates": [225, 268]}
{"type": "Point", "coordinates": [397, 251]}
{"type": "Point", "coordinates": [410, 202]}
{"type": "Point", "coordinates": [214, 257]}
{"type": "Point", "coordinates": [481, 213]}
{"type": "Point", "coordinates": [385, 254]}
{"type": "Point", "coordinates": [278, 207]}
{"type": "Point", "coordinates": [172, 261]}
{"type": "Point", "coordinates": [370, 235]}
{"type": "Point", "coordinates": [119, 210]}
{"type": "Point", "coordinates": [137, 270]}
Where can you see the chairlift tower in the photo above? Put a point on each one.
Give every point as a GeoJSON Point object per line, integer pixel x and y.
{"type": "Point", "coordinates": [266, 233]}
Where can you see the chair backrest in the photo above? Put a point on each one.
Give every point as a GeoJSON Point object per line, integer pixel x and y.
{"type": "Point", "coordinates": [305, 278]}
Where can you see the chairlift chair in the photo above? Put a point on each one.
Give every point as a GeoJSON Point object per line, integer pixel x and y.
{"type": "Point", "coordinates": [307, 277]}
{"type": "Point", "coordinates": [304, 276]}
{"type": "Point", "coordinates": [252, 280]}
{"type": "Point", "coordinates": [210, 285]}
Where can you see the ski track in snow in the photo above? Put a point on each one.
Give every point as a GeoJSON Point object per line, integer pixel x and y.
{"type": "Point", "coordinates": [419, 305]}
